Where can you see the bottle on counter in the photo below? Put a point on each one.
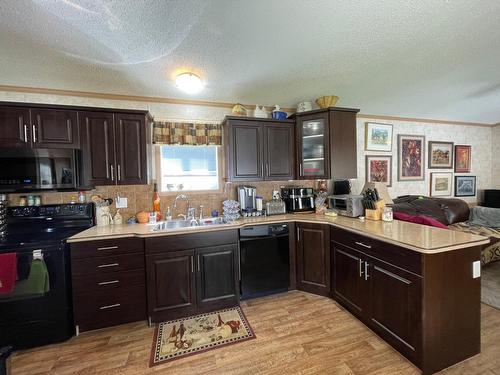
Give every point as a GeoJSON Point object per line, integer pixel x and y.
{"type": "Point", "coordinates": [81, 197]}
{"type": "Point", "coordinates": [168, 214]}
{"type": "Point", "coordinates": [156, 202]}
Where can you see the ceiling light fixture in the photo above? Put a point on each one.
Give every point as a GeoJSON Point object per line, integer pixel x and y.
{"type": "Point", "coordinates": [189, 82]}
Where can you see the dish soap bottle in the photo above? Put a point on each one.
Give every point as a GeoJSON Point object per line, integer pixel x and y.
{"type": "Point", "coordinates": [156, 202]}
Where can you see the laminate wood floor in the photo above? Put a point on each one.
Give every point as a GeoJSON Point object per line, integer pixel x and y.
{"type": "Point", "coordinates": [297, 333]}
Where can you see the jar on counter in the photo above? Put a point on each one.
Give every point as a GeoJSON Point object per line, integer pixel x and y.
{"type": "Point", "coordinates": [387, 214]}
{"type": "Point", "coordinates": [38, 200]}
{"type": "Point", "coordinates": [31, 200]}
{"type": "Point", "coordinates": [22, 200]}
{"type": "Point", "coordinates": [258, 203]}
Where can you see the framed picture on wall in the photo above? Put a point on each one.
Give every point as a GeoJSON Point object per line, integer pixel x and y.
{"type": "Point", "coordinates": [379, 169]}
{"type": "Point", "coordinates": [465, 186]}
{"type": "Point", "coordinates": [462, 158]}
{"type": "Point", "coordinates": [441, 184]}
{"type": "Point", "coordinates": [378, 137]}
{"type": "Point", "coordinates": [440, 155]}
{"type": "Point", "coordinates": [411, 157]}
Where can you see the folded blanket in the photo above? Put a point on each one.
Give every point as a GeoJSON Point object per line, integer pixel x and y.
{"type": "Point", "coordinates": [485, 216]}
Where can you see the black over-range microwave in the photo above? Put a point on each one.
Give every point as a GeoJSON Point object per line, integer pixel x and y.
{"type": "Point", "coordinates": [23, 169]}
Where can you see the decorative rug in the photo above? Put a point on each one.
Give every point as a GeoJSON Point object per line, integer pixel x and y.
{"type": "Point", "coordinates": [183, 337]}
{"type": "Point", "coordinates": [490, 284]}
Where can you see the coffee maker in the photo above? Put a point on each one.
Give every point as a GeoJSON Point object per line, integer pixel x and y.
{"type": "Point", "coordinates": [246, 196]}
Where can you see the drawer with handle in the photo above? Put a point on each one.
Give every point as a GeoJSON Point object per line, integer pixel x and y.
{"type": "Point", "coordinates": [108, 264]}
{"type": "Point", "coordinates": [104, 309]}
{"type": "Point", "coordinates": [108, 281]}
{"type": "Point", "coordinates": [399, 256]}
{"type": "Point", "coordinates": [116, 246]}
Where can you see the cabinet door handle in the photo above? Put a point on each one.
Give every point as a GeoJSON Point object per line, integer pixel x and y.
{"type": "Point", "coordinates": [25, 133]}
{"type": "Point", "coordinates": [34, 133]}
{"type": "Point", "coordinates": [262, 169]}
{"type": "Point", "coordinates": [118, 169]}
{"type": "Point", "coordinates": [366, 271]}
{"type": "Point", "coordinates": [108, 265]}
{"type": "Point", "coordinates": [360, 268]}
{"type": "Point", "coordinates": [298, 235]}
{"type": "Point", "coordinates": [112, 173]}
{"type": "Point", "coordinates": [301, 170]}
{"type": "Point", "coordinates": [267, 168]}
{"type": "Point", "coordinates": [107, 248]}
{"type": "Point", "coordinates": [198, 263]}
{"type": "Point", "coordinates": [364, 245]}
{"type": "Point", "coordinates": [109, 282]}
{"type": "Point", "coordinates": [109, 306]}
{"type": "Point", "coordinates": [192, 264]}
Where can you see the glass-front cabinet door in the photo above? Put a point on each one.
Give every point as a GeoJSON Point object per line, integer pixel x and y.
{"type": "Point", "coordinates": [313, 143]}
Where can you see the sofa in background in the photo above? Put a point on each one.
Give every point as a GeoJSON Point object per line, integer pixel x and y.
{"type": "Point", "coordinates": [452, 212]}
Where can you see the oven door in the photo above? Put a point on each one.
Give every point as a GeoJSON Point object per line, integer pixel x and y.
{"type": "Point", "coordinates": [25, 170]}
{"type": "Point", "coordinates": [38, 310]}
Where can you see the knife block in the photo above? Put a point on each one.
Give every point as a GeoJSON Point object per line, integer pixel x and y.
{"type": "Point", "coordinates": [375, 214]}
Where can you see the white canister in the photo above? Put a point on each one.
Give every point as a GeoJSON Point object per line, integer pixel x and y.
{"type": "Point", "coordinates": [258, 203]}
{"type": "Point", "coordinates": [102, 216]}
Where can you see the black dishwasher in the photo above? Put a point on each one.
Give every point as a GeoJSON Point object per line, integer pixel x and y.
{"type": "Point", "coordinates": [264, 260]}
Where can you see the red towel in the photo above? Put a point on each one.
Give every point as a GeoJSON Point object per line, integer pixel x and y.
{"type": "Point", "coordinates": [8, 272]}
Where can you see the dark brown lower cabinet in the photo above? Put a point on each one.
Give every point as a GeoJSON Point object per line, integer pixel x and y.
{"type": "Point", "coordinates": [348, 283]}
{"type": "Point", "coordinates": [427, 306]}
{"type": "Point", "coordinates": [191, 274]}
{"type": "Point", "coordinates": [171, 283]}
{"type": "Point", "coordinates": [313, 258]}
{"type": "Point", "coordinates": [394, 311]}
{"type": "Point", "coordinates": [109, 283]}
{"type": "Point", "coordinates": [217, 277]}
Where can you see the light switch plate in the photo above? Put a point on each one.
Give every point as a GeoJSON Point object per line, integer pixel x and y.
{"type": "Point", "coordinates": [476, 269]}
{"type": "Point", "coordinates": [121, 202]}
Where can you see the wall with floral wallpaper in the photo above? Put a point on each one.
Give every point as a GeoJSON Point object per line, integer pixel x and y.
{"type": "Point", "coordinates": [495, 158]}
{"type": "Point", "coordinates": [480, 138]}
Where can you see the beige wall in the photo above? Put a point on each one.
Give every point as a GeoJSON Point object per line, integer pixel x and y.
{"type": "Point", "coordinates": [140, 197]}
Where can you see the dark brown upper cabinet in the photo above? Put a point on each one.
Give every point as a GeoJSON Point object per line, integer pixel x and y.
{"type": "Point", "coordinates": [258, 149]}
{"type": "Point", "coordinates": [22, 126]}
{"type": "Point", "coordinates": [326, 143]}
{"type": "Point", "coordinates": [54, 128]}
{"type": "Point", "coordinates": [130, 143]}
{"type": "Point", "coordinates": [98, 147]}
{"type": "Point", "coordinates": [14, 127]}
{"type": "Point", "coordinates": [115, 148]}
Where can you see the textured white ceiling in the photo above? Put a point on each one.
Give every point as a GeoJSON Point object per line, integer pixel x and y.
{"type": "Point", "coordinates": [428, 58]}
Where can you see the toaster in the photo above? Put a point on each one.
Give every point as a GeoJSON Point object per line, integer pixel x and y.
{"type": "Point", "coordinates": [275, 207]}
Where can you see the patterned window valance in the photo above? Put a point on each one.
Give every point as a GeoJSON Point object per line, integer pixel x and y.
{"type": "Point", "coordinates": [186, 133]}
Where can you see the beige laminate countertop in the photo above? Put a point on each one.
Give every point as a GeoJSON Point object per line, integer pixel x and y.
{"type": "Point", "coordinates": [423, 239]}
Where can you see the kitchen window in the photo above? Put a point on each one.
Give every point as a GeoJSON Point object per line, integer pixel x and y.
{"type": "Point", "coordinates": [187, 168]}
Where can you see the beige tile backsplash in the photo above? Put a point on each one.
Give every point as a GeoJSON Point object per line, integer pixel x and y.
{"type": "Point", "coordinates": [140, 197]}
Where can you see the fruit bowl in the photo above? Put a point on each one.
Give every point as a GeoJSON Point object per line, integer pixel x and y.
{"type": "Point", "coordinates": [327, 101]}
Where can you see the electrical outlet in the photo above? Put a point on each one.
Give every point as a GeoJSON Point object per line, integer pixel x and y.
{"type": "Point", "coordinates": [476, 269]}
{"type": "Point", "coordinates": [121, 202]}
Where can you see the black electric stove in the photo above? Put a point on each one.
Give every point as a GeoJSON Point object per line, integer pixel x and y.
{"type": "Point", "coordinates": [29, 317]}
